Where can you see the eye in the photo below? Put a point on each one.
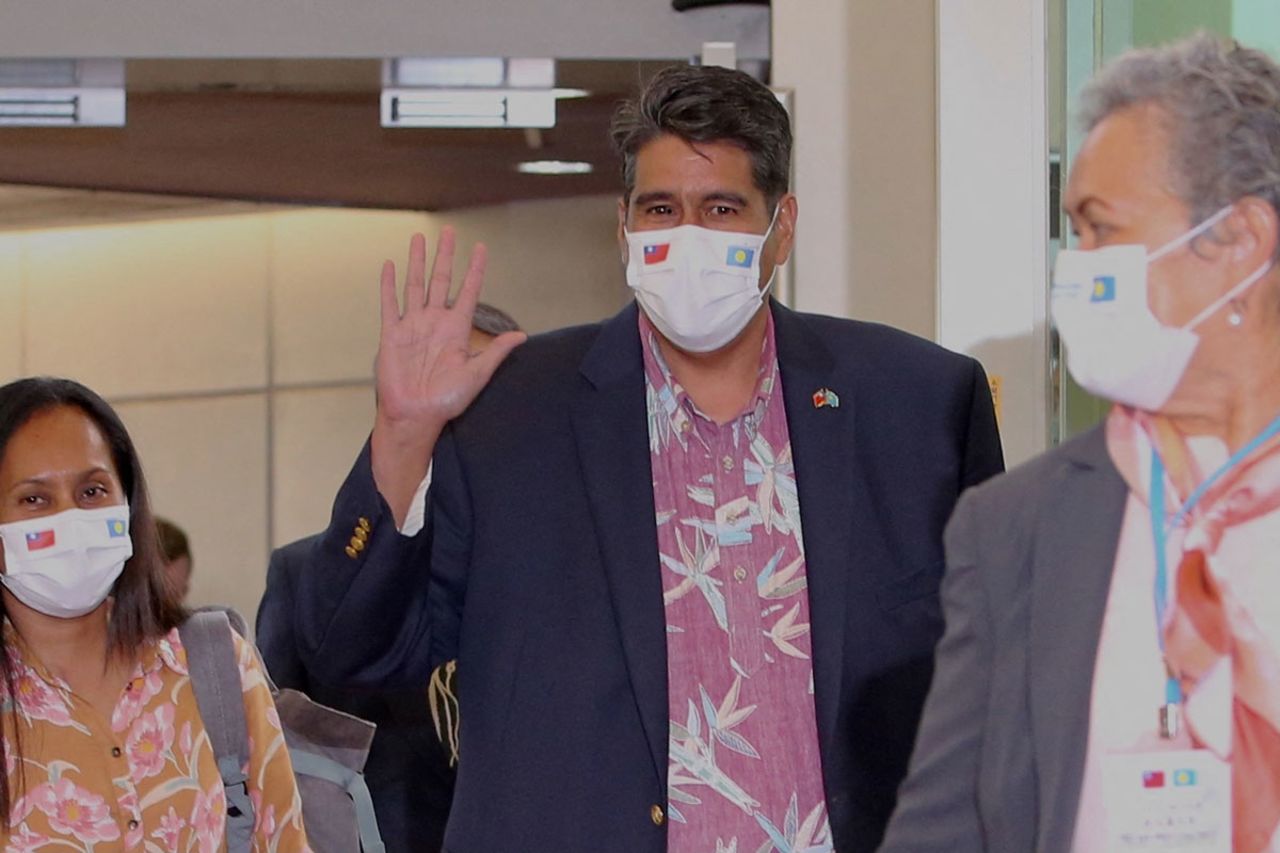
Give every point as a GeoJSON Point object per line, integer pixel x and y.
{"type": "Point", "coordinates": [659, 210]}
{"type": "Point", "coordinates": [723, 210]}
{"type": "Point", "coordinates": [95, 491]}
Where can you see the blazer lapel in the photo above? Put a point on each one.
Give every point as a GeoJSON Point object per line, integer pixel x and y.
{"type": "Point", "coordinates": [1071, 580]}
{"type": "Point", "coordinates": [822, 445]}
{"type": "Point", "coordinates": [610, 423]}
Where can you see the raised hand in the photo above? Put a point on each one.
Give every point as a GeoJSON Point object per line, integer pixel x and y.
{"type": "Point", "coordinates": [426, 371]}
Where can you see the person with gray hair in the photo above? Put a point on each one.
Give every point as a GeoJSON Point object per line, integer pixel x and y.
{"type": "Point", "coordinates": [1109, 679]}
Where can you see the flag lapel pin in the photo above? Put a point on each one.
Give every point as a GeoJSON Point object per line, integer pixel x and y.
{"type": "Point", "coordinates": [825, 398]}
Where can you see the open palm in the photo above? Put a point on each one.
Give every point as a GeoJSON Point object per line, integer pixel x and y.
{"type": "Point", "coordinates": [426, 371]}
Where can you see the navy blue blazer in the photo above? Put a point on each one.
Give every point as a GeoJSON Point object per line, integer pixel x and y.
{"type": "Point", "coordinates": [538, 569]}
{"type": "Point", "coordinates": [408, 770]}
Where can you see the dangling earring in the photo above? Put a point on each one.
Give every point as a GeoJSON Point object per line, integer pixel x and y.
{"type": "Point", "coordinates": [1236, 317]}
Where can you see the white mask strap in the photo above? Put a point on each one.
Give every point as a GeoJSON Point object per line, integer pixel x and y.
{"type": "Point", "coordinates": [1217, 304]}
{"type": "Point", "coordinates": [1189, 235]}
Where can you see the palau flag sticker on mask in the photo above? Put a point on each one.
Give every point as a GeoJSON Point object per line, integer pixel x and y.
{"type": "Point", "coordinates": [740, 256]}
{"type": "Point", "coordinates": [1104, 289]}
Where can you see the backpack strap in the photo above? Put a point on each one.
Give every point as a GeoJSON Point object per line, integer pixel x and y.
{"type": "Point", "coordinates": [215, 679]}
{"type": "Point", "coordinates": [311, 764]}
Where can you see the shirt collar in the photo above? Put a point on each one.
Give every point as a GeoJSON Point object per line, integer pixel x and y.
{"type": "Point", "coordinates": [676, 401]}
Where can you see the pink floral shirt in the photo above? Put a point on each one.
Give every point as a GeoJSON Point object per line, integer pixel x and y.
{"type": "Point", "coordinates": [745, 773]}
{"type": "Point", "coordinates": [146, 779]}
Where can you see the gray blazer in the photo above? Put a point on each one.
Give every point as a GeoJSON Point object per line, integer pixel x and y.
{"type": "Point", "coordinates": [999, 759]}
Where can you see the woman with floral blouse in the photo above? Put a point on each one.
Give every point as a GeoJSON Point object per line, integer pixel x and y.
{"type": "Point", "coordinates": [103, 745]}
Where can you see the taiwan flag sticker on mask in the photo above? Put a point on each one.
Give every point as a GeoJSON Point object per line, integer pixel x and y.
{"type": "Point", "coordinates": [40, 540]}
{"type": "Point", "coordinates": [656, 253]}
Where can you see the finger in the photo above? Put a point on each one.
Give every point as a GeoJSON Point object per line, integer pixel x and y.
{"type": "Point", "coordinates": [493, 355]}
{"type": "Point", "coordinates": [442, 269]}
{"type": "Point", "coordinates": [469, 295]}
{"type": "Point", "coordinates": [390, 307]}
{"type": "Point", "coordinates": [414, 289]}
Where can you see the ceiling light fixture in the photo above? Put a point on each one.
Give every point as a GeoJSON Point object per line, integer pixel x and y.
{"type": "Point", "coordinates": [554, 167]}
{"type": "Point", "coordinates": [471, 92]}
{"type": "Point", "coordinates": [62, 93]}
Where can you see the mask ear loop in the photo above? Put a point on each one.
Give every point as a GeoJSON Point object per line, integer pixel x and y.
{"type": "Point", "coordinates": [1231, 295]}
{"type": "Point", "coordinates": [1189, 235]}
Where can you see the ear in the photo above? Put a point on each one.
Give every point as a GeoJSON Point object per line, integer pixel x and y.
{"type": "Point", "coordinates": [784, 230]}
{"type": "Point", "coordinates": [1257, 232]}
{"type": "Point", "coordinates": [622, 229]}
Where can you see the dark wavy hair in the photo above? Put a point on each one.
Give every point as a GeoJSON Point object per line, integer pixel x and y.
{"type": "Point", "coordinates": [145, 608]}
{"type": "Point", "coordinates": [706, 103]}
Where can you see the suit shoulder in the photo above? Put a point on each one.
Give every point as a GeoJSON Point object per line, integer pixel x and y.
{"type": "Point", "coordinates": [548, 355]}
{"type": "Point", "coordinates": [1025, 486]}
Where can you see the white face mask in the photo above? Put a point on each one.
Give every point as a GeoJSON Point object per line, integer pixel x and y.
{"type": "Point", "coordinates": [64, 565]}
{"type": "Point", "coordinates": [699, 286]}
{"type": "Point", "coordinates": [1116, 348]}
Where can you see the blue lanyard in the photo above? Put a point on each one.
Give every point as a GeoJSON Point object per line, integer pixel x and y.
{"type": "Point", "coordinates": [1160, 531]}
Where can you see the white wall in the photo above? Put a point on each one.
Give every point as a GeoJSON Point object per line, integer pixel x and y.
{"type": "Point", "coordinates": [993, 203]}
{"type": "Point", "coordinates": [238, 349]}
{"type": "Point", "coordinates": [863, 75]}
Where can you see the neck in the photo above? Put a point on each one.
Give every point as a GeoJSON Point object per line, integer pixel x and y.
{"type": "Point", "coordinates": [67, 647]}
{"type": "Point", "coordinates": [722, 382]}
{"type": "Point", "coordinates": [1234, 403]}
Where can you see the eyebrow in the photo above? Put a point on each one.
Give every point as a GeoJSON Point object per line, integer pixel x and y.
{"type": "Point", "coordinates": [715, 195]}
{"type": "Point", "coordinates": [1083, 205]}
{"type": "Point", "coordinates": [83, 475]}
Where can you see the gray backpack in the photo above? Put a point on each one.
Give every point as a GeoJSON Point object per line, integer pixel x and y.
{"type": "Point", "coordinates": [327, 747]}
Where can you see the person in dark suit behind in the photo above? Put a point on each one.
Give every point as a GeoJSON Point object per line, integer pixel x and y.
{"type": "Point", "coordinates": [1110, 675]}
{"type": "Point", "coordinates": [409, 770]}
{"type": "Point", "coordinates": [687, 558]}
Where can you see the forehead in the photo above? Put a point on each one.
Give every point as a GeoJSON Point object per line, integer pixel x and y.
{"type": "Point", "coordinates": [1124, 161]}
{"type": "Point", "coordinates": [62, 439]}
{"type": "Point", "coordinates": [669, 163]}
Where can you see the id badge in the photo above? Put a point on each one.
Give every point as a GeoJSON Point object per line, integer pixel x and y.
{"type": "Point", "coordinates": [1173, 802]}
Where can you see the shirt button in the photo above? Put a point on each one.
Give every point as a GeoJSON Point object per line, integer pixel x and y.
{"type": "Point", "coordinates": [133, 824]}
{"type": "Point", "coordinates": [740, 574]}
{"type": "Point", "coordinates": [727, 462]}
{"type": "Point", "coordinates": [115, 752]}
{"type": "Point", "coordinates": [657, 816]}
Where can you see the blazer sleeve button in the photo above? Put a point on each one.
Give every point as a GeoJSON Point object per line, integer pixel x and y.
{"type": "Point", "coordinates": [351, 552]}
{"type": "Point", "coordinates": [657, 815]}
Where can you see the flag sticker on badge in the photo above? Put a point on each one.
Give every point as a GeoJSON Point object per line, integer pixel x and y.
{"type": "Point", "coordinates": [41, 540]}
{"type": "Point", "coordinates": [740, 256]}
{"type": "Point", "coordinates": [1153, 779]}
{"type": "Point", "coordinates": [1185, 778]}
{"type": "Point", "coordinates": [117, 528]}
{"type": "Point", "coordinates": [1104, 289]}
{"type": "Point", "coordinates": [656, 253]}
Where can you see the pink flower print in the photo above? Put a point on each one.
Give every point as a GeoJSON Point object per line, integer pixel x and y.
{"type": "Point", "coordinates": [171, 652]}
{"type": "Point", "coordinates": [137, 694]}
{"type": "Point", "coordinates": [25, 841]}
{"type": "Point", "coordinates": [39, 701]}
{"type": "Point", "coordinates": [265, 820]}
{"type": "Point", "coordinates": [209, 817]}
{"type": "Point", "coordinates": [149, 742]}
{"type": "Point", "coordinates": [128, 802]}
{"type": "Point", "coordinates": [170, 828]}
{"type": "Point", "coordinates": [185, 742]}
{"type": "Point", "coordinates": [74, 811]}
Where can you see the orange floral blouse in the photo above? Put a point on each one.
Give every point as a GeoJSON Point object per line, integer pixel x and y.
{"type": "Point", "coordinates": [146, 779]}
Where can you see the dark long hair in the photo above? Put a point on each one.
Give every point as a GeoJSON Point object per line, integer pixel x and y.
{"type": "Point", "coordinates": [145, 608]}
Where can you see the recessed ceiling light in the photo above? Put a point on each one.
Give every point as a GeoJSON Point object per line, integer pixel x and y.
{"type": "Point", "coordinates": [554, 167]}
